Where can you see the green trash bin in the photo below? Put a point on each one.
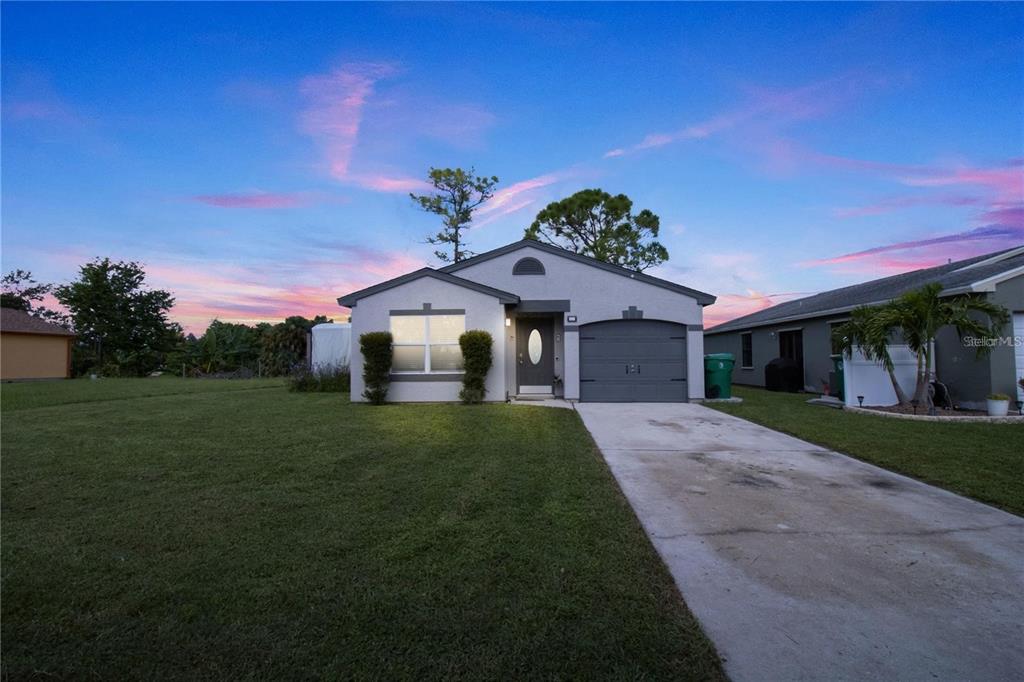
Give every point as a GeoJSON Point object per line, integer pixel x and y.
{"type": "Point", "coordinates": [835, 379]}
{"type": "Point", "coordinates": [718, 375]}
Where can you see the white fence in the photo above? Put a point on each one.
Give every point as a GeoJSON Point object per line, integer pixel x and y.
{"type": "Point", "coordinates": [867, 378]}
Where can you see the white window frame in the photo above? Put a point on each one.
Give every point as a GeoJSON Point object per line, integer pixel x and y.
{"type": "Point", "coordinates": [427, 344]}
{"type": "Point", "coordinates": [751, 335]}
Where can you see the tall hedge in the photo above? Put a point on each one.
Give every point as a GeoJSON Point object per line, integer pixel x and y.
{"type": "Point", "coordinates": [476, 357]}
{"type": "Point", "coordinates": [376, 349]}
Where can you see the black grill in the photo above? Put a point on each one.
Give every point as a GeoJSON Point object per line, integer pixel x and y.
{"type": "Point", "coordinates": [782, 374]}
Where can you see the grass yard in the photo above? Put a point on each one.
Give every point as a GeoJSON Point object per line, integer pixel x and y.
{"type": "Point", "coordinates": [983, 461]}
{"type": "Point", "coordinates": [24, 395]}
{"type": "Point", "coordinates": [228, 529]}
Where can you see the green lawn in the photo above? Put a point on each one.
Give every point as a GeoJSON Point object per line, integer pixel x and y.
{"type": "Point", "coordinates": [20, 396]}
{"type": "Point", "coordinates": [232, 530]}
{"type": "Point", "coordinates": [983, 461]}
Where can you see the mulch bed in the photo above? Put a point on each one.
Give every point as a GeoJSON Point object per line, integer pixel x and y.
{"type": "Point", "coordinates": [922, 411]}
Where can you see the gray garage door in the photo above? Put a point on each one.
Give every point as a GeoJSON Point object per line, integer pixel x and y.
{"type": "Point", "coordinates": [627, 361]}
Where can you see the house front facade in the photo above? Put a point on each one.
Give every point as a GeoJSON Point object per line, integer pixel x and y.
{"type": "Point", "coordinates": [801, 330]}
{"type": "Point", "coordinates": [563, 325]}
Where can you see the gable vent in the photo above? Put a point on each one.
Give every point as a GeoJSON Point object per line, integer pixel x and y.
{"type": "Point", "coordinates": [528, 266]}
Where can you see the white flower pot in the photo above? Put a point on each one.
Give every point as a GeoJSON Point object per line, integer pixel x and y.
{"type": "Point", "coordinates": [997, 408]}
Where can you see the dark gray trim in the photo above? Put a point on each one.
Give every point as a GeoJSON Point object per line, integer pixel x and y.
{"type": "Point", "coordinates": [543, 306]}
{"type": "Point", "coordinates": [528, 266]}
{"type": "Point", "coordinates": [425, 377]}
{"type": "Point", "coordinates": [701, 297]}
{"type": "Point", "coordinates": [429, 311]}
{"type": "Point", "coordinates": [632, 313]}
{"type": "Point", "coordinates": [572, 327]}
{"type": "Point", "coordinates": [694, 327]}
{"type": "Point", "coordinates": [350, 300]}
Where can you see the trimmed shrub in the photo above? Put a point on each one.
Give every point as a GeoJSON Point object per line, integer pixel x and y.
{"type": "Point", "coordinates": [320, 380]}
{"type": "Point", "coordinates": [476, 357]}
{"type": "Point", "coordinates": [376, 350]}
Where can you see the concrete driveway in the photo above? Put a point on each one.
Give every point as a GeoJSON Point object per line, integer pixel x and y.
{"type": "Point", "coordinates": [804, 564]}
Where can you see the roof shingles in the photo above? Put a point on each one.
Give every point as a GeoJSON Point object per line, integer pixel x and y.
{"type": "Point", "coordinates": [952, 276]}
{"type": "Point", "coordinates": [19, 322]}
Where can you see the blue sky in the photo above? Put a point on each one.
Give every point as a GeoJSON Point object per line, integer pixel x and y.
{"type": "Point", "coordinates": [257, 157]}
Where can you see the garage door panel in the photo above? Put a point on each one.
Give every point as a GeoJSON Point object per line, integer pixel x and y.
{"type": "Point", "coordinates": [633, 361]}
{"type": "Point", "coordinates": [608, 392]}
{"type": "Point", "coordinates": [605, 370]}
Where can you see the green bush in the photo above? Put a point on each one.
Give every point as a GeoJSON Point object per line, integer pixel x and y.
{"type": "Point", "coordinates": [476, 357]}
{"type": "Point", "coordinates": [321, 380]}
{"type": "Point", "coordinates": [376, 349]}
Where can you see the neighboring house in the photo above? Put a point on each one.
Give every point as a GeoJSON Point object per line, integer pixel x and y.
{"type": "Point", "coordinates": [563, 324]}
{"type": "Point", "coordinates": [801, 330]}
{"type": "Point", "coordinates": [31, 348]}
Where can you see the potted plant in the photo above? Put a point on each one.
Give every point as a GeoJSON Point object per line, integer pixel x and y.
{"type": "Point", "coordinates": [997, 404]}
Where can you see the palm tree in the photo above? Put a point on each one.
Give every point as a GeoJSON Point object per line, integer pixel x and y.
{"type": "Point", "coordinates": [870, 329]}
{"type": "Point", "coordinates": [920, 314]}
{"type": "Point", "coordinates": [917, 316]}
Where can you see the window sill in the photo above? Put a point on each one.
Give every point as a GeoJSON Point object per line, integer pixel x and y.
{"type": "Point", "coordinates": [423, 376]}
{"type": "Point", "coordinates": [749, 369]}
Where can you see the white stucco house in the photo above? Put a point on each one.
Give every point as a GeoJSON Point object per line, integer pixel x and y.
{"type": "Point", "coordinates": [563, 324]}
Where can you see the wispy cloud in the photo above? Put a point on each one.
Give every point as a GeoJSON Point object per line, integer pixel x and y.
{"type": "Point", "coordinates": [918, 253]}
{"type": "Point", "coordinates": [521, 195]}
{"type": "Point", "coordinates": [998, 190]}
{"type": "Point", "coordinates": [388, 183]}
{"type": "Point", "coordinates": [335, 112]}
{"type": "Point", "coordinates": [766, 107]}
{"type": "Point", "coordinates": [1006, 181]}
{"type": "Point", "coordinates": [30, 96]}
{"type": "Point", "coordinates": [343, 106]}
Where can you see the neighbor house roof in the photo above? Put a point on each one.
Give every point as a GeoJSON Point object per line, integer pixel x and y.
{"type": "Point", "coordinates": [977, 274]}
{"type": "Point", "coordinates": [350, 300]}
{"type": "Point", "coordinates": [701, 297]}
{"type": "Point", "coordinates": [19, 322]}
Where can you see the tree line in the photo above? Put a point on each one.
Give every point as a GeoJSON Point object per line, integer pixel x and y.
{"type": "Point", "coordinates": [122, 327]}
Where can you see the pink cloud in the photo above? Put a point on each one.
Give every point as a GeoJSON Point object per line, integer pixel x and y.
{"type": "Point", "coordinates": [730, 306]}
{"type": "Point", "coordinates": [335, 112]}
{"type": "Point", "coordinates": [1005, 181]}
{"type": "Point", "coordinates": [518, 196]}
{"type": "Point", "coordinates": [385, 183]}
{"type": "Point", "coordinates": [270, 292]}
{"type": "Point", "coordinates": [927, 252]}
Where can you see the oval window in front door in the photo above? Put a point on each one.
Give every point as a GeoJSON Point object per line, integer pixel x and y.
{"type": "Point", "coordinates": [535, 347]}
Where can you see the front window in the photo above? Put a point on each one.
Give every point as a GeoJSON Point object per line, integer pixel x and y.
{"type": "Point", "coordinates": [747, 347]}
{"type": "Point", "coordinates": [427, 343]}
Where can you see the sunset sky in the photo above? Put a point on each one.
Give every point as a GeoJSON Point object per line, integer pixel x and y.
{"type": "Point", "coordinates": [257, 157]}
